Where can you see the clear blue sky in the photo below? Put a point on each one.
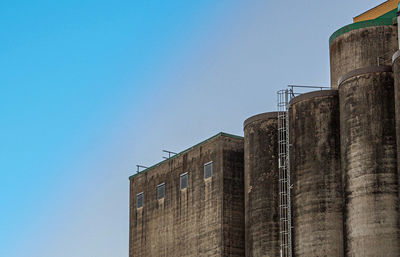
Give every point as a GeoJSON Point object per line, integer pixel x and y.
{"type": "Point", "coordinates": [89, 89]}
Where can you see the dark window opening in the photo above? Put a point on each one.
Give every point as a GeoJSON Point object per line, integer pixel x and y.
{"type": "Point", "coordinates": [208, 170]}
{"type": "Point", "coordinates": [161, 191]}
{"type": "Point", "coordinates": [139, 200]}
{"type": "Point", "coordinates": [184, 180]}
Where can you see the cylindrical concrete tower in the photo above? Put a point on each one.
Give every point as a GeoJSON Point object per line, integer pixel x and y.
{"type": "Point", "coordinates": [369, 165]}
{"type": "Point", "coordinates": [362, 44]}
{"type": "Point", "coordinates": [261, 185]}
{"type": "Point", "coordinates": [315, 170]}
{"type": "Point", "coordinates": [396, 75]}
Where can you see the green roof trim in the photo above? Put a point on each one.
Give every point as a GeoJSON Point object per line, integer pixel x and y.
{"type": "Point", "coordinates": [187, 150]}
{"type": "Point", "coordinates": [386, 19]}
{"type": "Point", "coordinates": [389, 15]}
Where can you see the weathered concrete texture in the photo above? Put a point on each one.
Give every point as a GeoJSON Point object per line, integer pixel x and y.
{"type": "Point", "coordinates": [396, 75]}
{"type": "Point", "coordinates": [317, 196]}
{"type": "Point", "coordinates": [361, 48]}
{"type": "Point", "coordinates": [206, 218]}
{"type": "Point", "coordinates": [369, 165]}
{"type": "Point", "coordinates": [233, 200]}
{"type": "Point", "coordinates": [261, 185]}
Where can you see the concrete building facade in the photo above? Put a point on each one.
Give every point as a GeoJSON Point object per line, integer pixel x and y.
{"type": "Point", "coordinates": [191, 204]}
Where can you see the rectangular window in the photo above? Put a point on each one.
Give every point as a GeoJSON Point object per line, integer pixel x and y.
{"type": "Point", "coordinates": [184, 180]}
{"type": "Point", "coordinates": [139, 200]}
{"type": "Point", "coordinates": [160, 191]}
{"type": "Point", "coordinates": [208, 170]}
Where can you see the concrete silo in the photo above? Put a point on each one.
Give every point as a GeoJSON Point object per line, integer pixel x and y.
{"type": "Point", "coordinates": [369, 165]}
{"type": "Point", "coordinates": [396, 75]}
{"type": "Point", "coordinates": [261, 185]}
{"type": "Point", "coordinates": [317, 198]}
{"type": "Point", "coordinates": [361, 45]}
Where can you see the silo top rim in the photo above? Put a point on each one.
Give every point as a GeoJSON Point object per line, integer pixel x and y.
{"type": "Point", "coordinates": [261, 116]}
{"type": "Point", "coordinates": [313, 94]}
{"type": "Point", "coordinates": [360, 25]}
{"type": "Point", "coordinates": [362, 71]}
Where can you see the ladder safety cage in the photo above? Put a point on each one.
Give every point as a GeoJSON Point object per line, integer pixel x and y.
{"type": "Point", "coordinates": [285, 221]}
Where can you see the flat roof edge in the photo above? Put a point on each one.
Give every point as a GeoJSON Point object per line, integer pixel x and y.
{"type": "Point", "coordinates": [186, 150]}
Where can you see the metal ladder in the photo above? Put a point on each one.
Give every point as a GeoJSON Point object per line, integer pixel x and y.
{"type": "Point", "coordinates": [285, 217]}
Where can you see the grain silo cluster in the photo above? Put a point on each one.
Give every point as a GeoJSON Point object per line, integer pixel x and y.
{"type": "Point", "coordinates": [319, 177]}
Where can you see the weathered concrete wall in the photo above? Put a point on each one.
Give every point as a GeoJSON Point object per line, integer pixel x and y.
{"type": "Point", "coordinates": [360, 48]}
{"type": "Point", "coordinates": [191, 222]}
{"type": "Point", "coordinates": [369, 165]}
{"type": "Point", "coordinates": [233, 199]}
{"type": "Point", "coordinates": [261, 185]}
{"type": "Point", "coordinates": [317, 198]}
{"type": "Point", "coordinates": [396, 75]}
